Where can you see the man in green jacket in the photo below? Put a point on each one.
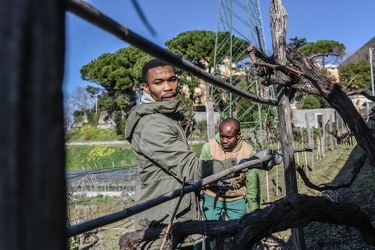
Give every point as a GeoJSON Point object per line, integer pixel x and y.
{"type": "Point", "coordinates": [160, 145]}
{"type": "Point", "coordinates": [228, 143]}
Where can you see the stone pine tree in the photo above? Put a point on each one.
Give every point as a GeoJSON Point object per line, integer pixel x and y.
{"type": "Point", "coordinates": [32, 179]}
{"type": "Point", "coordinates": [114, 72]}
{"type": "Point", "coordinates": [328, 51]}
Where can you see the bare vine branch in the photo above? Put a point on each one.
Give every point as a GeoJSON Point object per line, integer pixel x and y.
{"type": "Point", "coordinates": [341, 139]}
{"type": "Point", "coordinates": [293, 211]}
{"type": "Point", "coordinates": [357, 167]}
{"type": "Point", "coordinates": [266, 69]}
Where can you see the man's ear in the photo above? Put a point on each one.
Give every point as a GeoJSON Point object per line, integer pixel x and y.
{"type": "Point", "coordinates": [145, 88]}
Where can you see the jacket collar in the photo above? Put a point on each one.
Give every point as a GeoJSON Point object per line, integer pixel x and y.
{"type": "Point", "coordinates": [169, 108]}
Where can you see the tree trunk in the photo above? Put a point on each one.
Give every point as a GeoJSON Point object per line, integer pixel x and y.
{"type": "Point", "coordinates": [278, 29]}
{"type": "Point", "coordinates": [344, 106]}
{"type": "Point", "coordinates": [32, 154]}
{"type": "Point", "coordinates": [210, 121]}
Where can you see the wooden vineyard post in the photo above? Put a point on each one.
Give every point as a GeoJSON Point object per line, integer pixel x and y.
{"type": "Point", "coordinates": [278, 18]}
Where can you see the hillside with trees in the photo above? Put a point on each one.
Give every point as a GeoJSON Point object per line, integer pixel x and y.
{"type": "Point", "coordinates": [117, 76]}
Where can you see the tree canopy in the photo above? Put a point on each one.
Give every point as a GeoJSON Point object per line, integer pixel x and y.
{"type": "Point", "coordinates": [80, 99]}
{"type": "Point", "coordinates": [356, 76]}
{"type": "Point", "coordinates": [115, 73]}
{"type": "Point", "coordinates": [328, 50]}
{"type": "Point", "coordinates": [195, 46]}
{"type": "Point", "coordinates": [119, 73]}
{"type": "Point", "coordinates": [323, 46]}
{"type": "Point", "coordinates": [310, 102]}
{"type": "Point", "coordinates": [198, 46]}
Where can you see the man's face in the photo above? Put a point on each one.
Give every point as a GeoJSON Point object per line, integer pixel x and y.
{"type": "Point", "coordinates": [228, 136]}
{"type": "Point", "coordinates": [162, 83]}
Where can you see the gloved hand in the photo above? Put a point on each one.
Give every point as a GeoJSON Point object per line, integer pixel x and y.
{"type": "Point", "coordinates": [263, 153]}
{"type": "Point", "coordinates": [260, 154]}
{"type": "Point", "coordinates": [276, 160]}
{"type": "Point", "coordinates": [221, 187]}
{"type": "Point", "coordinates": [243, 160]}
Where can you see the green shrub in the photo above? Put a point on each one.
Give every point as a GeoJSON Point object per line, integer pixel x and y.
{"type": "Point", "coordinates": [310, 102]}
{"type": "Point", "coordinates": [197, 148]}
{"type": "Point", "coordinates": [88, 132]}
{"type": "Point", "coordinates": [100, 152]}
{"type": "Point", "coordinates": [93, 118]}
{"type": "Point", "coordinates": [78, 119]}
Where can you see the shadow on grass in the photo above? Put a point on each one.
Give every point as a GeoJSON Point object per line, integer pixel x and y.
{"type": "Point", "coordinates": [328, 236]}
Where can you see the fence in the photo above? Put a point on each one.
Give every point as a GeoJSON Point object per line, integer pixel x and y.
{"type": "Point", "coordinates": [95, 193]}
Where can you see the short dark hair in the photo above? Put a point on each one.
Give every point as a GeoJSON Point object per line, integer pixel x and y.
{"type": "Point", "coordinates": [153, 63]}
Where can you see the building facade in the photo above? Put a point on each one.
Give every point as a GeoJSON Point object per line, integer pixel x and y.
{"type": "Point", "coordinates": [314, 118]}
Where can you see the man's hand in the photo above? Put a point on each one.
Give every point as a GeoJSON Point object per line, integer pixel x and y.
{"type": "Point", "coordinates": [276, 160]}
{"type": "Point", "coordinates": [222, 186]}
{"type": "Point", "coordinates": [267, 165]}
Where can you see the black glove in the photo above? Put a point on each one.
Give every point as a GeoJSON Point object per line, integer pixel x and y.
{"type": "Point", "coordinates": [243, 160]}
{"type": "Point", "coordinates": [221, 187]}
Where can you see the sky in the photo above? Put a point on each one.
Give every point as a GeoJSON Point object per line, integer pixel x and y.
{"type": "Point", "coordinates": [349, 22]}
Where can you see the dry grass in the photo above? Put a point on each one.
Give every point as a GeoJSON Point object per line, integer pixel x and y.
{"type": "Point", "coordinates": [334, 169]}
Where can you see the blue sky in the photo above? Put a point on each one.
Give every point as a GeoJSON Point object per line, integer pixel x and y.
{"type": "Point", "coordinates": [346, 21]}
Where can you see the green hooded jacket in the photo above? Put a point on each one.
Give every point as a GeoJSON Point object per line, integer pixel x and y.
{"type": "Point", "coordinates": [164, 159]}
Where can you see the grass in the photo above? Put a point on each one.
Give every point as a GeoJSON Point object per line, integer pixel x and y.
{"type": "Point", "coordinates": [334, 169]}
{"type": "Point", "coordinates": [99, 157]}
